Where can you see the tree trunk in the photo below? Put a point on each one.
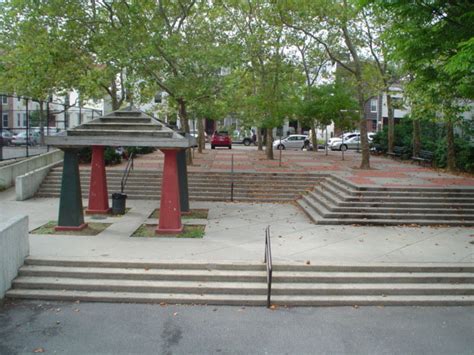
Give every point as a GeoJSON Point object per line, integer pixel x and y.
{"type": "Point", "coordinates": [365, 162]}
{"type": "Point", "coordinates": [299, 129]}
{"type": "Point", "coordinates": [451, 154]}
{"type": "Point", "coordinates": [259, 139]}
{"type": "Point", "coordinates": [269, 145]}
{"type": "Point", "coordinates": [201, 138]}
{"type": "Point", "coordinates": [314, 138]}
{"type": "Point", "coordinates": [391, 124]}
{"type": "Point", "coordinates": [416, 138]}
{"type": "Point", "coordinates": [114, 97]}
{"type": "Point", "coordinates": [183, 118]}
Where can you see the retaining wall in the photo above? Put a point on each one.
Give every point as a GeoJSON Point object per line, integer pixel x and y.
{"type": "Point", "coordinates": [27, 185]}
{"type": "Point", "coordinates": [14, 248]}
{"type": "Point", "coordinates": [9, 173]}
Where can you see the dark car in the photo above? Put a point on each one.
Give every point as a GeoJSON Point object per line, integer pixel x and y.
{"type": "Point", "coordinates": [221, 139]}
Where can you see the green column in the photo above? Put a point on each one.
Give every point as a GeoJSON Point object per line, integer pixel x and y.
{"type": "Point", "coordinates": [183, 182]}
{"type": "Point", "coordinates": [71, 213]}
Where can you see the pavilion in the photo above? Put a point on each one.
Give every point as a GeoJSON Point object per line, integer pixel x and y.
{"type": "Point", "coordinates": [126, 127]}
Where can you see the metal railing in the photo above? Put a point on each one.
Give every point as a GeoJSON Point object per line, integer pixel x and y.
{"type": "Point", "coordinates": [268, 261]}
{"type": "Point", "coordinates": [126, 173]}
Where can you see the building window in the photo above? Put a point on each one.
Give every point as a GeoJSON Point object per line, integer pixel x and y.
{"type": "Point", "coordinates": [18, 119]}
{"type": "Point", "coordinates": [24, 120]}
{"type": "Point", "coordinates": [374, 126]}
{"type": "Point", "coordinates": [5, 120]}
{"type": "Point", "coordinates": [373, 105]}
{"type": "Point", "coordinates": [4, 100]}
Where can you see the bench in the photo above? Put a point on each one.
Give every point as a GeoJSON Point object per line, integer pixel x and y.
{"type": "Point", "coordinates": [425, 156]}
{"type": "Point", "coordinates": [398, 151]}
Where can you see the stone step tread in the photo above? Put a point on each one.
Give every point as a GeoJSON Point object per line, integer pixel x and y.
{"type": "Point", "coordinates": [257, 266]}
{"type": "Point", "coordinates": [39, 282]}
{"type": "Point", "coordinates": [38, 269]}
{"type": "Point", "coordinates": [396, 191]}
{"type": "Point", "coordinates": [362, 300]}
{"type": "Point", "coordinates": [173, 265]}
{"type": "Point", "coordinates": [134, 297]}
{"type": "Point", "coordinates": [256, 300]}
{"type": "Point", "coordinates": [376, 213]}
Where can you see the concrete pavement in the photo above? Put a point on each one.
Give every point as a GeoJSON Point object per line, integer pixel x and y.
{"type": "Point", "coordinates": [235, 232]}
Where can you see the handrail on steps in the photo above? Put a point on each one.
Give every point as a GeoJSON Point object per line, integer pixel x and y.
{"type": "Point", "coordinates": [268, 261]}
{"type": "Point", "coordinates": [126, 172]}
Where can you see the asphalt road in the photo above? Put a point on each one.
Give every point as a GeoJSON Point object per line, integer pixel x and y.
{"type": "Point", "coordinates": [90, 328]}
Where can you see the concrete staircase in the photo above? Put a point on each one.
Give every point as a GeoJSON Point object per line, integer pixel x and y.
{"type": "Point", "coordinates": [335, 201]}
{"type": "Point", "coordinates": [203, 186]}
{"type": "Point", "coordinates": [244, 284]}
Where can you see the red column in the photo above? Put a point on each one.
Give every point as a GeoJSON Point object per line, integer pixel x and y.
{"type": "Point", "coordinates": [170, 211]}
{"type": "Point", "coordinates": [98, 195]}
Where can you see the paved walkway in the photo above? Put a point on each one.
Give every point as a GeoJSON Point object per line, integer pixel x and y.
{"type": "Point", "coordinates": [235, 231]}
{"type": "Point", "coordinates": [384, 171]}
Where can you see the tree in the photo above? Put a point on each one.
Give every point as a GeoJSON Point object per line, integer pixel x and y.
{"type": "Point", "coordinates": [434, 41]}
{"type": "Point", "coordinates": [336, 26]}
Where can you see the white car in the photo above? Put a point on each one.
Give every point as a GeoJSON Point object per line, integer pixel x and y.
{"type": "Point", "coordinates": [20, 138]}
{"type": "Point", "coordinates": [295, 141]}
{"type": "Point", "coordinates": [351, 143]}
{"type": "Point", "coordinates": [346, 136]}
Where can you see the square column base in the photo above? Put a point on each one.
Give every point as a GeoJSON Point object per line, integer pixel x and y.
{"type": "Point", "coordinates": [106, 211]}
{"type": "Point", "coordinates": [169, 231]}
{"type": "Point", "coordinates": [70, 228]}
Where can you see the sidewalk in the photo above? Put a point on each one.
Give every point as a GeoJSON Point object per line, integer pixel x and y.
{"type": "Point", "coordinates": [235, 232]}
{"type": "Point", "coordinates": [384, 171]}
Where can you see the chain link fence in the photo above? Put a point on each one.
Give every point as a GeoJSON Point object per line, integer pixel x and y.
{"type": "Point", "coordinates": [25, 122]}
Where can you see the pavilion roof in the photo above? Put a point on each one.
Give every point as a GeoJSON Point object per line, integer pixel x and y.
{"type": "Point", "coordinates": [125, 127]}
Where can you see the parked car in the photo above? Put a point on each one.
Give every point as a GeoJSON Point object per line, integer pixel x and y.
{"type": "Point", "coordinates": [221, 139]}
{"type": "Point", "coordinates": [346, 136]}
{"type": "Point", "coordinates": [7, 137]}
{"type": "Point", "coordinates": [294, 141]}
{"type": "Point", "coordinates": [243, 136]}
{"type": "Point", "coordinates": [20, 138]}
{"type": "Point", "coordinates": [351, 143]}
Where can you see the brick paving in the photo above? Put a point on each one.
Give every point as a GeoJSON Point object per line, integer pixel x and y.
{"type": "Point", "coordinates": [384, 171]}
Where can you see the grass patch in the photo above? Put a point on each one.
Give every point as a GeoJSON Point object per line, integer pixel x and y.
{"type": "Point", "coordinates": [189, 231]}
{"type": "Point", "coordinates": [91, 229]}
{"type": "Point", "coordinates": [196, 213]}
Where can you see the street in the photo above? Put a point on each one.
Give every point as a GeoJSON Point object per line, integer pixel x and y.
{"type": "Point", "coordinates": [89, 328]}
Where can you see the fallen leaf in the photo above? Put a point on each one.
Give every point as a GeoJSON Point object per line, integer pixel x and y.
{"type": "Point", "coordinates": [273, 307]}
{"type": "Point", "coordinates": [308, 262]}
{"type": "Point", "coordinates": [38, 350]}
{"type": "Point", "coordinates": [175, 314]}
{"type": "Point", "coordinates": [355, 306]}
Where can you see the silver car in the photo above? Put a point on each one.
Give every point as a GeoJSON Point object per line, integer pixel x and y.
{"type": "Point", "coordinates": [295, 141]}
{"type": "Point", "coordinates": [351, 143]}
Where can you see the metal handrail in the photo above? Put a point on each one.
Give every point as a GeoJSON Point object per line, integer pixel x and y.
{"type": "Point", "coordinates": [126, 173]}
{"type": "Point", "coordinates": [268, 261]}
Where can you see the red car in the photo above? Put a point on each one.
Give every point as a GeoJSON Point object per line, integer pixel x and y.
{"type": "Point", "coordinates": [221, 139]}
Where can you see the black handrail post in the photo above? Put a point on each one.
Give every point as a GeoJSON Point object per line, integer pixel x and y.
{"type": "Point", "coordinates": [126, 173]}
{"type": "Point", "coordinates": [232, 179]}
{"type": "Point", "coordinates": [27, 129]}
{"type": "Point", "coordinates": [268, 261]}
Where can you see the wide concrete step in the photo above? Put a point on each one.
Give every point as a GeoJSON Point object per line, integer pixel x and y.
{"type": "Point", "coordinates": [382, 300]}
{"type": "Point", "coordinates": [333, 205]}
{"type": "Point", "coordinates": [317, 216]}
{"type": "Point", "coordinates": [334, 184]}
{"type": "Point", "coordinates": [243, 276]}
{"type": "Point", "coordinates": [249, 266]}
{"type": "Point", "coordinates": [133, 297]}
{"type": "Point", "coordinates": [143, 274]}
{"type": "Point", "coordinates": [253, 288]}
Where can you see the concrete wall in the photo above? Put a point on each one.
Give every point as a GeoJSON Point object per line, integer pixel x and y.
{"type": "Point", "coordinates": [14, 248]}
{"type": "Point", "coordinates": [9, 173]}
{"type": "Point", "coordinates": [27, 185]}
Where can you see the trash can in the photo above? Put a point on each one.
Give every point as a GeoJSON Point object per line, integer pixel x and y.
{"type": "Point", "coordinates": [118, 203]}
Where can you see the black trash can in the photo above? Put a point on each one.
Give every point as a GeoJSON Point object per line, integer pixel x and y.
{"type": "Point", "coordinates": [118, 203]}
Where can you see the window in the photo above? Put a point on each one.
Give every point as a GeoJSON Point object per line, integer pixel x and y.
{"type": "Point", "coordinates": [373, 105]}
{"type": "Point", "coordinates": [24, 120]}
{"type": "Point", "coordinates": [4, 100]}
{"type": "Point", "coordinates": [18, 119]}
{"type": "Point", "coordinates": [5, 120]}
{"type": "Point", "coordinates": [374, 125]}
